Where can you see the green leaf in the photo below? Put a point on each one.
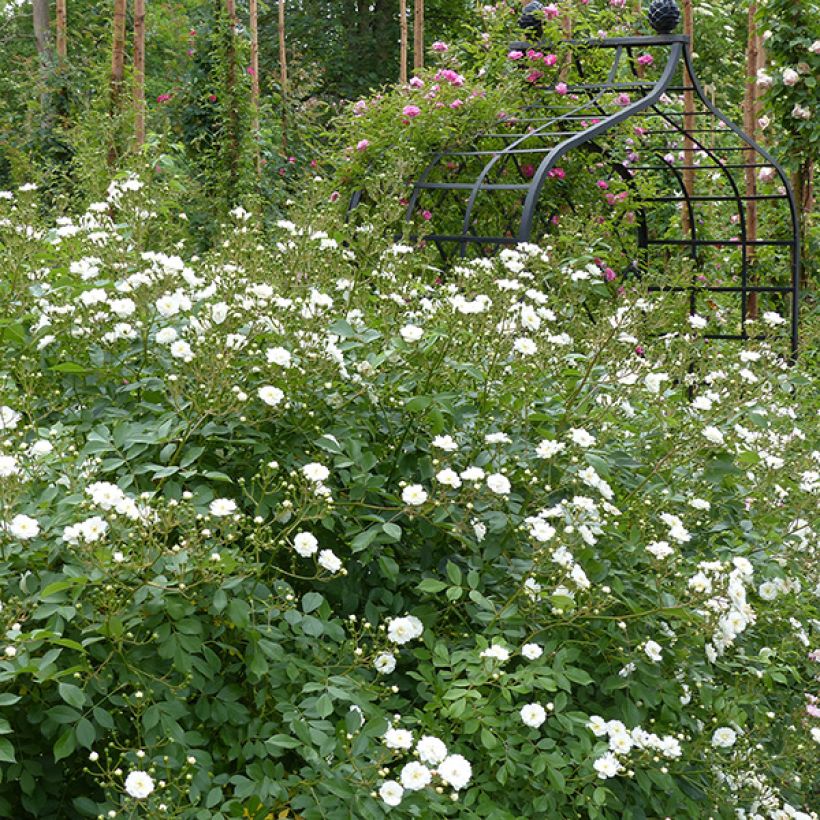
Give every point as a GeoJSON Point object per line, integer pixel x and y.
{"type": "Point", "coordinates": [454, 573]}
{"type": "Point", "coordinates": [85, 733]}
{"type": "Point", "coordinates": [70, 367]}
{"type": "Point", "coordinates": [65, 744]}
{"type": "Point", "coordinates": [59, 586]}
{"type": "Point", "coordinates": [364, 539]}
{"type": "Point", "coordinates": [283, 742]}
{"type": "Point", "coordinates": [71, 694]}
{"type": "Point", "coordinates": [6, 751]}
{"type": "Point", "coordinates": [431, 585]}
{"type": "Point", "coordinates": [8, 699]}
{"type": "Point", "coordinates": [311, 601]}
{"type": "Point", "coordinates": [392, 530]}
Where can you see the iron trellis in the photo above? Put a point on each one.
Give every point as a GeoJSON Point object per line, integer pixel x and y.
{"type": "Point", "coordinates": [498, 188]}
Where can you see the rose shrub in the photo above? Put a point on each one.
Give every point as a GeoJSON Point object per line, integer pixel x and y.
{"type": "Point", "coordinates": [306, 527]}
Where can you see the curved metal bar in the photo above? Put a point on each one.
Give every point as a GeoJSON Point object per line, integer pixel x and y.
{"type": "Point", "coordinates": [548, 163]}
{"type": "Point", "coordinates": [744, 243]}
{"type": "Point", "coordinates": [468, 211]}
{"type": "Point", "coordinates": [789, 195]}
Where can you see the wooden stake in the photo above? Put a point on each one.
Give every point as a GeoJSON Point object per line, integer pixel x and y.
{"type": "Point", "coordinates": [418, 34]}
{"type": "Point", "coordinates": [62, 25]}
{"type": "Point", "coordinates": [750, 127]}
{"type": "Point", "coordinates": [403, 41]}
{"type": "Point", "coordinates": [117, 71]}
{"type": "Point", "coordinates": [283, 74]}
{"type": "Point", "coordinates": [253, 11]}
{"type": "Point", "coordinates": [139, 73]}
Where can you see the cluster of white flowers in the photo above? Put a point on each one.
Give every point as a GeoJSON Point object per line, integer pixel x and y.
{"type": "Point", "coordinates": [433, 761]}
{"type": "Point", "coordinates": [623, 742]}
{"type": "Point", "coordinates": [728, 609]}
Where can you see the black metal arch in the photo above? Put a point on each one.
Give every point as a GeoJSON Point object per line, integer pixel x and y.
{"type": "Point", "coordinates": [476, 184]}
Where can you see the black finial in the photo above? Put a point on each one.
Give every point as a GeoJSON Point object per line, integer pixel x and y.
{"type": "Point", "coordinates": [531, 19]}
{"type": "Point", "coordinates": [663, 15]}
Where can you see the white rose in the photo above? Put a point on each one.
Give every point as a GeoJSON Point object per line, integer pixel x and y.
{"type": "Point", "coordinates": [305, 544]}
{"type": "Point", "coordinates": [414, 495]}
{"type": "Point", "coordinates": [330, 561]}
{"type": "Point", "coordinates": [270, 395]}
{"type": "Point", "coordinates": [391, 793]}
{"type": "Point", "coordinates": [499, 484]}
{"type": "Point", "coordinates": [139, 785]}
{"type": "Point", "coordinates": [533, 715]}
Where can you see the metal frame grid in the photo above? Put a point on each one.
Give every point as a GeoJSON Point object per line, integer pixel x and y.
{"type": "Point", "coordinates": [469, 181]}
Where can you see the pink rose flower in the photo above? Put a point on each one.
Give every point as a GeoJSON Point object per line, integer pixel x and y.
{"type": "Point", "coordinates": [440, 47]}
{"type": "Point", "coordinates": [362, 145]}
{"type": "Point", "coordinates": [411, 111]}
{"type": "Point", "coordinates": [561, 88]}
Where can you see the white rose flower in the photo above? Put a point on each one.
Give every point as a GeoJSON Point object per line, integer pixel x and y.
{"type": "Point", "coordinates": [398, 739]}
{"type": "Point", "coordinates": [581, 437]}
{"type": "Point", "coordinates": [496, 652]}
{"type": "Point", "coordinates": [525, 346]}
{"type": "Point", "coordinates": [660, 549]}
{"type": "Point", "coordinates": [168, 305]}
{"type": "Point", "coordinates": [41, 447]}
{"type": "Point", "coordinates": [414, 495]}
{"type": "Point", "coordinates": [724, 737]}
{"type": "Point", "coordinates": [403, 630]}
{"type": "Point", "coordinates": [473, 474]}
{"type": "Point", "coordinates": [653, 651]}
{"type": "Point", "coordinates": [415, 776]}
{"type": "Point", "coordinates": [411, 333]}
{"type": "Point", "coordinates": [446, 443]}
{"type": "Point", "coordinates": [278, 355]}
{"type": "Point", "coordinates": [456, 771]}
{"type": "Point", "coordinates": [9, 419]}
{"type": "Point", "coordinates": [139, 784]}
{"type": "Point", "coordinates": [449, 478]}
{"type": "Point", "coordinates": [330, 561]}
{"type": "Point", "coordinates": [222, 506]}
{"type": "Point", "coordinates": [431, 750]}
{"type": "Point", "coordinates": [597, 725]}
{"type": "Point", "coordinates": [270, 395]}
{"type": "Point", "coordinates": [391, 793]}
{"type": "Point", "coordinates": [305, 544]}
{"type": "Point", "coordinates": [385, 663]}
{"type": "Point", "coordinates": [315, 472]}
{"type": "Point", "coordinates": [713, 434]}
{"type": "Point", "coordinates": [182, 350]}
{"type": "Point", "coordinates": [23, 527]}
{"type": "Point", "coordinates": [548, 448]}
{"type": "Point", "coordinates": [531, 651]}
{"type": "Point", "coordinates": [533, 715]}
{"type": "Point", "coordinates": [499, 484]}
{"type": "Point", "coordinates": [607, 766]}
{"type": "Point", "coordinates": [8, 466]}
{"type": "Point", "coordinates": [768, 590]}
{"type": "Point", "coordinates": [166, 335]}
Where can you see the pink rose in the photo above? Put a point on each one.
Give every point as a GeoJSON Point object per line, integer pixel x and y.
{"type": "Point", "coordinates": [362, 145]}
{"type": "Point", "coordinates": [440, 47]}
{"type": "Point", "coordinates": [411, 111]}
{"type": "Point", "coordinates": [561, 88]}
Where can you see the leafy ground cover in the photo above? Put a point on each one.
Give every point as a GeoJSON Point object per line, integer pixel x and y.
{"type": "Point", "coordinates": [307, 526]}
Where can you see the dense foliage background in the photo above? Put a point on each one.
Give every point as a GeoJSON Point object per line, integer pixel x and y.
{"type": "Point", "coordinates": [298, 521]}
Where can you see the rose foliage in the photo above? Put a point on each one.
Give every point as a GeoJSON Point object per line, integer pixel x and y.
{"type": "Point", "coordinates": [309, 525]}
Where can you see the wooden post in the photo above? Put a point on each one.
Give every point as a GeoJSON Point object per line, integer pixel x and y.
{"type": "Point", "coordinates": [139, 73]}
{"type": "Point", "coordinates": [418, 34]}
{"type": "Point", "coordinates": [283, 74]}
{"type": "Point", "coordinates": [117, 72]}
{"type": "Point", "coordinates": [62, 26]}
{"type": "Point", "coordinates": [688, 118]}
{"type": "Point", "coordinates": [403, 41]}
{"type": "Point", "coordinates": [253, 12]}
{"type": "Point", "coordinates": [750, 106]}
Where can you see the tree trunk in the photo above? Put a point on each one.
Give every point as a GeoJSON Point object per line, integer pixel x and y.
{"type": "Point", "coordinates": [283, 74]}
{"type": "Point", "coordinates": [139, 73]}
{"type": "Point", "coordinates": [62, 27]}
{"type": "Point", "coordinates": [42, 30]}
{"type": "Point", "coordinates": [403, 41]}
{"type": "Point", "coordinates": [803, 189]}
{"type": "Point", "coordinates": [418, 34]}
{"type": "Point", "coordinates": [750, 105]}
{"type": "Point", "coordinates": [688, 119]}
{"type": "Point", "coordinates": [253, 12]}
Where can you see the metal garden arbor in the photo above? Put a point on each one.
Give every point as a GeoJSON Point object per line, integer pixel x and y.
{"type": "Point", "coordinates": [497, 192]}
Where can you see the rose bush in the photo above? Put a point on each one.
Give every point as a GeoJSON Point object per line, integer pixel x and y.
{"type": "Point", "coordinates": [308, 526]}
